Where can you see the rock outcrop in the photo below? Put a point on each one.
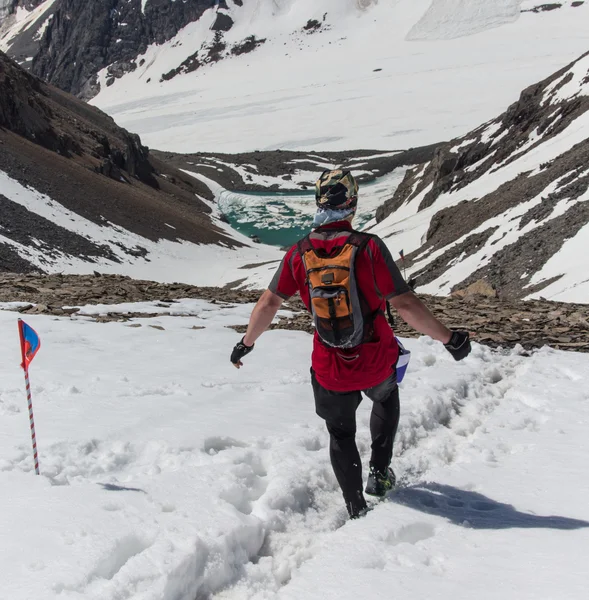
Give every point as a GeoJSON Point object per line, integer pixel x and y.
{"type": "Point", "coordinates": [492, 322]}
{"type": "Point", "coordinates": [8, 7]}
{"type": "Point", "coordinates": [85, 37]}
{"type": "Point", "coordinates": [47, 117]}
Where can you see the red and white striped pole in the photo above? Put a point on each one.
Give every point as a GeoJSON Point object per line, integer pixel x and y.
{"type": "Point", "coordinates": [32, 421]}
{"type": "Point", "coordinates": [29, 346]}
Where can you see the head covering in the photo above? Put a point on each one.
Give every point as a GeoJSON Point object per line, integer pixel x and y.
{"type": "Point", "coordinates": [336, 195]}
{"type": "Point", "coordinates": [326, 216]}
{"type": "Point", "coordinates": [336, 190]}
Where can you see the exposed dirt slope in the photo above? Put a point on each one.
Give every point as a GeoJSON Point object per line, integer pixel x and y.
{"type": "Point", "coordinates": [77, 155]}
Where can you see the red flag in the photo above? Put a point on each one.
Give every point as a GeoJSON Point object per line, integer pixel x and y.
{"type": "Point", "coordinates": [402, 254]}
{"type": "Point", "coordinates": [30, 343]}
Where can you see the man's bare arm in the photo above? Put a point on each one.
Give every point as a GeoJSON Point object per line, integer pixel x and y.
{"type": "Point", "coordinates": [416, 314]}
{"type": "Point", "coordinates": [262, 316]}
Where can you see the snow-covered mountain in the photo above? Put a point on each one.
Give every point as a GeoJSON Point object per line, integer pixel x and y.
{"type": "Point", "coordinates": [22, 25]}
{"type": "Point", "coordinates": [229, 76]}
{"type": "Point", "coordinates": [78, 193]}
{"type": "Point", "coordinates": [328, 75]}
{"type": "Point", "coordinates": [507, 202]}
{"type": "Point", "coordinates": [341, 74]}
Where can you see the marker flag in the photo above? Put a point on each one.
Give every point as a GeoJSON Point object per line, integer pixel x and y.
{"type": "Point", "coordinates": [402, 255]}
{"type": "Point", "coordinates": [30, 343]}
{"type": "Point", "coordinates": [29, 346]}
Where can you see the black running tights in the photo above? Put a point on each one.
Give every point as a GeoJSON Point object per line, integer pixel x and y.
{"type": "Point", "coordinates": [338, 409]}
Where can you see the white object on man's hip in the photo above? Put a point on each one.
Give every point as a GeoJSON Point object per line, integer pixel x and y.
{"type": "Point", "coordinates": [402, 361]}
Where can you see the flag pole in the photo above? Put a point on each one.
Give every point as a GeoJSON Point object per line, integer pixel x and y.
{"type": "Point", "coordinates": [29, 396]}
{"type": "Point", "coordinates": [32, 422]}
{"type": "Point", "coordinates": [402, 253]}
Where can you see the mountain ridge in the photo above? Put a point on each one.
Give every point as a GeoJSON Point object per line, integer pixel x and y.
{"type": "Point", "coordinates": [505, 198]}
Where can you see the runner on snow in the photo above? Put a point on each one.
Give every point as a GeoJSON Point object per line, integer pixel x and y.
{"type": "Point", "coordinates": [345, 279]}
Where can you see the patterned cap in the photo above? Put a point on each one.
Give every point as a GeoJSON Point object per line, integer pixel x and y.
{"type": "Point", "coordinates": [336, 190]}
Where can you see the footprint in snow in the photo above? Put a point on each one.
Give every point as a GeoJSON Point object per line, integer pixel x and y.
{"type": "Point", "coordinates": [216, 444]}
{"type": "Point", "coordinates": [411, 534]}
{"type": "Point", "coordinates": [313, 444]}
{"type": "Point", "coordinates": [429, 360]}
{"type": "Point", "coordinates": [455, 503]}
{"type": "Point", "coordinates": [484, 506]}
{"type": "Point", "coordinates": [428, 501]}
{"type": "Point", "coordinates": [494, 376]}
{"type": "Point", "coordinates": [110, 564]}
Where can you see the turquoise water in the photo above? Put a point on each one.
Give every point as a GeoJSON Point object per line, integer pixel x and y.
{"type": "Point", "coordinates": [286, 235]}
{"type": "Point", "coordinates": [277, 219]}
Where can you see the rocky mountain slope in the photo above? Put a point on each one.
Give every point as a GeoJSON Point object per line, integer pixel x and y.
{"type": "Point", "coordinates": [72, 41]}
{"type": "Point", "coordinates": [292, 171]}
{"type": "Point", "coordinates": [78, 193]}
{"type": "Point", "coordinates": [22, 25]}
{"type": "Point", "coordinates": [506, 203]}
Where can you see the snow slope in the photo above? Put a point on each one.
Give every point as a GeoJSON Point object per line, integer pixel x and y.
{"type": "Point", "coordinates": [385, 75]}
{"type": "Point", "coordinates": [24, 21]}
{"type": "Point", "coordinates": [451, 19]}
{"type": "Point", "coordinates": [169, 475]}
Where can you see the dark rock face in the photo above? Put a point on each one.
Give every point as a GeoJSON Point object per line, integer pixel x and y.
{"type": "Point", "coordinates": [208, 53]}
{"type": "Point", "coordinates": [12, 262]}
{"type": "Point", "coordinates": [535, 119]}
{"type": "Point", "coordinates": [82, 38]}
{"type": "Point", "coordinates": [76, 155]}
{"type": "Point", "coordinates": [85, 37]}
{"type": "Point", "coordinates": [223, 23]}
{"type": "Point", "coordinates": [31, 109]}
{"type": "Point", "coordinates": [246, 46]}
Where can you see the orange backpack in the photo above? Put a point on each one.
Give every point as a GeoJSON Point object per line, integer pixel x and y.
{"type": "Point", "coordinates": [338, 307]}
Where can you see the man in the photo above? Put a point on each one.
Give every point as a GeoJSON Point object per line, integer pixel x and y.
{"type": "Point", "coordinates": [345, 279]}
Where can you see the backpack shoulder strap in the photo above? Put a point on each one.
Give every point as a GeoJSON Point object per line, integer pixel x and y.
{"type": "Point", "coordinates": [305, 245]}
{"type": "Point", "coordinates": [359, 239]}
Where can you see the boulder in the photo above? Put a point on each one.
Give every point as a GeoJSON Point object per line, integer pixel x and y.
{"type": "Point", "coordinates": [479, 288]}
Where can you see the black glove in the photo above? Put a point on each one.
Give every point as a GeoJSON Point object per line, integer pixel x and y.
{"type": "Point", "coordinates": [239, 352]}
{"type": "Point", "coordinates": [459, 344]}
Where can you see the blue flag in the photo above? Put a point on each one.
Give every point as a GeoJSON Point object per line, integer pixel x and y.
{"type": "Point", "coordinates": [30, 343]}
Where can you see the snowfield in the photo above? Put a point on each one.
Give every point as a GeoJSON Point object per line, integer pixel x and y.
{"type": "Point", "coordinates": [166, 474]}
{"type": "Point", "coordinates": [384, 75]}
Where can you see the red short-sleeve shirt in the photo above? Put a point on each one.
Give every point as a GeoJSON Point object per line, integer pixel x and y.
{"type": "Point", "coordinates": [379, 279]}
